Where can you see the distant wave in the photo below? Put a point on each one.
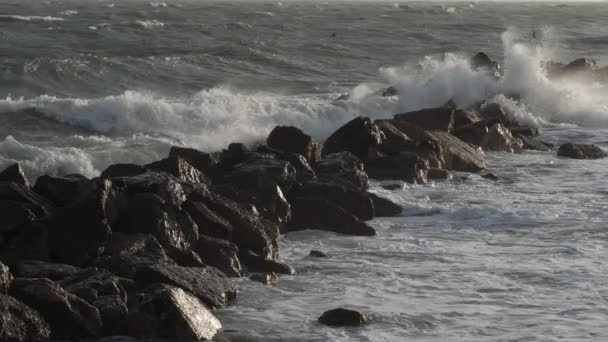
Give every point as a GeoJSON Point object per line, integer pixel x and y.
{"type": "Point", "coordinates": [69, 12]}
{"type": "Point", "coordinates": [150, 24]}
{"type": "Point", "coordinates": [4, 17]}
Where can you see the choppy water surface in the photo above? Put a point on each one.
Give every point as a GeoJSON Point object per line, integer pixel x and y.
{"type": "Point", "coordinates": [85, 84]}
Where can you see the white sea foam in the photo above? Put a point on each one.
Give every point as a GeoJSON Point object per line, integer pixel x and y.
{"type": "Point", "coordinates": [150, 24]}
{"type": "Point", "coordinates": [158, 4]}
{"type": "Point", "coordinates": [29, 18]}
{"type": "Point", "coordinates": [69, 12]}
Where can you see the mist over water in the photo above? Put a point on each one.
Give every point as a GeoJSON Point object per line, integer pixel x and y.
{"type": "Point", "coordinates": [86, 84]}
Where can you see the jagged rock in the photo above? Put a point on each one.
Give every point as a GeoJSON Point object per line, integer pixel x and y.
{"type": "Point", "coordinates": [173, 227]}
{"type": "Point", "coordinates": [357, 137]}
{"type": "Point", "coordinates": [200, 160]}
{"type": "Point", "coordinates": [6, 278]}
{"type": "Point", "coordinates": [317, 254]}
{"type": "Point", "coordinates": [580, 151]}
{"type": "Point", "coordinates": [457, 154]}
{"type": "Point", "coordinates": [65, 190]}
{"type": "Point", "coordinates": [250, 231]}
{"type": "Point", "coordinates": [123, 170]}
{"type": "Point", "coordinates": [29, 242]}
{"type": "Point", "coordinates": [255, 263]}
{"type": "Point", "coordinates": [343, 168]}
{"type": "Point", "coordinates": [435, 173]}
{"type": "Point", "coordinates": [142, 245]}
{"type": "Point", "coordinates": [493, 111]}
{"type": "Point", "coordinates": [113, 311]}
{"type": "Point", "coordinates": [465, 117]}
{"type": "Point", "coordinates": [180, 168]}
{"type": "Point", "coordinates": [220, 254]}
{"type": "Point", "coordinates": [14, 174]}
{"type": "Point", "coordinates": [68, 316]}
{"type": "Point", "coordinates": [499, 138]}
{"type": "Point", "coordinates": [20, 323]}
{"type": "Point", "coordinates": [208, 222]}
{"type": "Point", "coordinates": [14, 215]}
{"type": "Point", "coordinates": [404, 166]}
{"type": "Point", "coordinates": [169, 312]}
{"type": "Point", "coordinates": [396, 141]}
{"type": "Point", "coordinates": [356, 202]}
{"type": "Point", "coordinates": [207, 283]}
{"type": "Point", "coordinates": [430, 119]}
{"type": "Point", "coordinates": [344, 317]}
{"type": "Point", "coordinates": [92, 283]}
{"type": "Point", "coordinates": [40, 206]}
{"type": "Point", "coordinates": [43, 269]}
{"type": "Point", "coordinates": [268, 279]}
{"type": "Point", "coordinates": [292, 139]}
{"type": "Point", "coordinates": [384, 207]}
{"type": "Point", "coordinates": [529, 143]}
{"type": "Point", "coordinates": [524, 130]}
{"type": "Point", "coordinates": [161, 184]}
{"type": "Point", "coordinates": [475, 132]}
{"type": "Point", "coordinates": [325, 215]}
{"type": "Point", "coordinates": [427, 148]}
{"type": "Point", "coordinates": [78, 232]}
{"type": "Point", "coordinates": [302, 166]}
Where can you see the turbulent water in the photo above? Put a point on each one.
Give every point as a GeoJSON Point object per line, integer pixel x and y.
{"type": "Point", "coordinates": [85, 84]}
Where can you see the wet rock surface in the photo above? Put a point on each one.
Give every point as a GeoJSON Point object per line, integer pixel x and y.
{"type": "Point", "coordinates": [344, 317]}
{"type": "Point", "coordinates": [580, 151]}
{"type": "Point", "coordinates": [20, 323]}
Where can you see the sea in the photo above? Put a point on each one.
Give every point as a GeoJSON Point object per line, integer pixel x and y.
{"type": "Point", "coordinates": [88, 83]}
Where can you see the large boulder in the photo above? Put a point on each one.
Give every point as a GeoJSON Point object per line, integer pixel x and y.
{"type": "Point", "coordinates": [483, 62]}
{"type": "Point", "coordinates": [78, 232]}
{"type": "Point", "coordinates": [69, 316]}
{"type": "Point", "coordinates": [20, 323]}
{"type": "Point", "coordinates": [396, 141]}
{"type": "Point", "coordinates": [29, 241]}
{"type": "Point", "coordinates": [344, 317]}
{"type": "Point", "coordinates": [43, 269]}
{"type": "Point", "coordinates": [458, 155]}
{"type": "Point", "coordinates": [499, 138]}
{"type": "Point", "coordinates": [169, 312]}
{"type": "Point", "coordinates": [65, 190]}
{"type": "Point", "coordinates": [325, 215]}
{"type": "Point", "coordinates": [406, 166]}
{"type": "Point", "coordinates": [200, 160]}
{"type": "Point", "coordinates": [303, 168]}
{"type": "Point", "coordinates": [357, 137]}
{"type": "Point", "coordinates": [207, 283]}
{"type": "Point", "coordinates": [292, 139]}
{"type": "Point", "coordinates": [384, 207]}
{"type": "Point", "coordinates": [6, 278]}
{"type": "Point", "coordinates": [14, 174]}
{"type": "Point", "coordinates": [162, 184]}
{"type": "Point", "coordinates": [532, 144]}
{"type": "Point", "coordinates": [114, 313]}
{"type": "Point", "coordinates": [343, 168]}
{"type": "Point", "coordinates": [255, 263]}
{"type": "Point", "coordinates": [430, 119]}
{"type": "Point", "coordinates": [208, 222]}
{"type": "Point", "coordinates": [14, 215]}
{"type": "Point", "coordinates": [494, 113]}
{"type": "Point", "coordinates": [580, 151]}
{"type": "Point", "coordinates": [221, 254]}
{"type": "Point", "coordinates": [92, 283]}
{"type": "Point", "coordinates": [39, 205]}
{"type": "Point", "coordinates": [465, 117]}
{"type": "Point", "coordinates": [180, 168]}
{"type": "Point", "coordinates": [475, 132]}
{"type": "Point", "coordinates": [123, 170]}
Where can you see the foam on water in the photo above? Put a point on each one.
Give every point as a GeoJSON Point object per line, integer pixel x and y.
{"type": "Point", "coordinates": [150, 24]}
{"type": "Point", "coordinates": [5, 17]}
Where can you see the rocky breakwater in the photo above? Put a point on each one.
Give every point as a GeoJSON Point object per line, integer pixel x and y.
{"type": "Point", "coordinates": [151, 250]}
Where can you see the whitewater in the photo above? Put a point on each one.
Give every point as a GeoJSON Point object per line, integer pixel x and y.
{"type": "Point", "coordinates": [87, 84]}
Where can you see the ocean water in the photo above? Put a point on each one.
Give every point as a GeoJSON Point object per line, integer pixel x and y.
{"type": "Point", "coordinates": [85, 84]}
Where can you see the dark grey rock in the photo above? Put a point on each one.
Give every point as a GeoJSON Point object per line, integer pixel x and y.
{"type": "Point", "coordinates": [292, 139]}
{"type": "Point", "coordinates": [20, 323]}
{"type": "Point", "coordinates": [14, 174]}
{"type": "Point", "coordinates": [356, 136]}
{"type": "Point", "coordinates": [344, 317]}
{"type": "Point", "coordinates": [580, 151]}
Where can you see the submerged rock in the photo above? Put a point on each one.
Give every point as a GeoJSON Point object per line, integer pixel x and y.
{"type": "Point", "coordinates": [14, 174]}
{"type": "Point", "coordinates": [170, 312]}
{"type": "Point", "coordinates": [580, 151]}
{"type": "Point", "coordinates": [20, 323]}
{"type": "Point", "coordinates": [268, 279]}
{"type": "Point", "coordinates": [344, 317]}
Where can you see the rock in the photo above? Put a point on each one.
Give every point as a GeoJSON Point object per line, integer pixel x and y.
{"type": "Point", "coordinates": [458, 155]}
{"type": "Point", "coordinates": [40, 206]}
{"type": "Point", "coordinates": [123, 170]}
{"type": "Point", "coordinates": [578, 66]}
{"type": "Point", "coordinates": [92, 283]}
{"type": "Point", "coordinates": [524, 130]}
{"type": "Point", "coordinates": [580, 151]}
{"type": "Point", "coordinates": [14, 174]}
{"type": "Point", "coordinates": [493, 111]}
{"type": "Point", "coordinates": [208, 222]}
{"type": "Point", "coordinates": [14, 215]}
{"type": "Point", "coordinates": [43, 269]}
{"type": "Point", "coordinates": [173, 227]}
{"type": "Point", "coordinates": [65, 190]}
{"type": "Point", "coordinates": [20, 323]}
{"type": "Point", "coordinates": [268, 279]}
{"type": "Point", "coordinates": [250, 231]}
{"type": "Point", "coordinates": [169, 312]}
{"type": "Point", "coordinates": [390, 91]}
{"type": "Point", "coordinates": [437, 174]}
{"type": "Point", "coordinates": [162, 184]}
{"type": "Point", "coordinates": [317, 254]}
{"type": "Point", "coordinates": [140, 245]}
{"type": "Point", "coordinates": [292, 139]}
{"type": "Point", "coordinates": [303, 169]}
{"type": "Point", "coordinates": [406, 166]}
{"type": "Point", "coordinates": [256, 263]}
{"type": "Point", "coordinates": [78, 232]}
{"type": "Point", "coordinates": [114, 313]}
{"type": "Point", "coordinates": [384, 207]}
{"type": "Point", "coordinates": [499, 138]}
{"type": "Point", "coordinates": [68, 316]}
{"type": "Point", "coordinates": [343, 168]}
{"type": "Point", "coordinates": [490, 176]}
{"type": "Point", "coordinates": [396, 141]}
{"type": "Point", "coordinates": [220, 254]}
{"type": "Point", "coordinates": [29, 242]}
{"type": "Point", "coordinates": [427, 148]}
{"type": "Point", "coordinates": [200, 160]}
{"type": "Point", "coordinates": [207, 283]}
{"type": "Point", "coordinates": [357, 137]}
{"type": "Point", "coordinates": [356, 202]}
{"type": "Point", "coordinates": [430, 119]}
{"type": "Point", "coordinates": [344, 317]}
{"type": "Point", "coordinates": [325, 215]}
{"type": "Point", "coordinates": [6, 278]}
{"type": "Point", "coordinates": [180, 168]}
{"type": "Point", "coordinates": [529, 143]}
{"type": "Point", "coordinates": [481, 60]}
{"type": "Point", "coordinates": [475, 132]}
{"type": "Point", "coordinates": [392, 186]}
{"type": "Point", "coordinates": [465, 117]}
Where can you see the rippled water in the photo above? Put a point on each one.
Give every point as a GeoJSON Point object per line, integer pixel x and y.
{"type": "Point", "coordinates": [85, 84]}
